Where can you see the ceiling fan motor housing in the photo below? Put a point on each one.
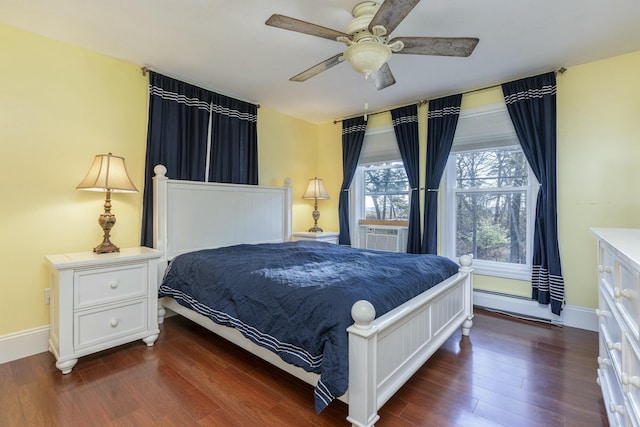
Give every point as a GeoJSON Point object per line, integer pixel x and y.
{"type": "Point", "coordinates": [367, 50]}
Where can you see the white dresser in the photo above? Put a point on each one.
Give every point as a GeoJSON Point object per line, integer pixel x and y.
{"type": "Point", "coordinates": [619, 314]}
{"type": "Point", "coordinates": [99, 301]}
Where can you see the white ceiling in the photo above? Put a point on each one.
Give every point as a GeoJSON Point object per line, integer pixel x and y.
{"type": "Point", "coordinates": [226, 47]}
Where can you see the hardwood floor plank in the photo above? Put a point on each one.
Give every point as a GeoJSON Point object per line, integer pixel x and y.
{"type": "Point", "coordinates": [509, 372]}
{"type": "Point", "coordinates": [10, 407]}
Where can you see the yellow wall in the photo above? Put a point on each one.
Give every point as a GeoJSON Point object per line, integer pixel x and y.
{"type": "Point", "coordinates": [287, 149]}
{"type": "Point", "coordinates": [598, 153]}
{"type": "Point", "coordinates": [329, 155]}
{"type": "Point", "coordinates": [60, 106]}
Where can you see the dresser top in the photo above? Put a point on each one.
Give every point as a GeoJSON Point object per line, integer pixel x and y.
{"type": "Point", "coordinates": [86, 259]}
{"type": "Point", "coordinates": [625, 240]}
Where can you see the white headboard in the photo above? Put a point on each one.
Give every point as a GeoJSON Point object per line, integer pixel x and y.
{"type": "Point", "coordinates": [190, 215]}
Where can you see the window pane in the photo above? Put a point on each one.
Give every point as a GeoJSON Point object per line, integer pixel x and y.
{"type": "Point", "coordinates": [492, 226]}
{"type": "Point", "coordinates": [386, 191]}
{"type": "Point", "coordinates": [491, 168]}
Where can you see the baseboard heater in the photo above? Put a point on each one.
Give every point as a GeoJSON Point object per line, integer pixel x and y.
{"type": "Point", "coordinates": [515, 306]}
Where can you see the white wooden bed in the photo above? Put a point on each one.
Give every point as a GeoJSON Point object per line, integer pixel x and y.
{"type": "Point", "coordinates": [384, 352]}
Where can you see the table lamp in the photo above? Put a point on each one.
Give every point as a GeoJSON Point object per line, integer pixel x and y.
{"type": "Point", "coordinates": [315, 191]}
{"type": "Point", "coordinates": [107, 173]}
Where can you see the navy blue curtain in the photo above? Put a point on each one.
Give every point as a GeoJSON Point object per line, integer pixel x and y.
{"type": "Point", "coordinates": [531, 103]}
{"type": "Point", "coordinates": [180, 116]}
{"type": "Point", "coordinates": [442, 120]}
{"type": "Point", "coordinates": [176, 137]}
{"type": "Point", "coordinates": [234, 141]}
{"type": "Point", "coordinates": [405, 125]}
{"type": "Point", "coordinates": [352, 139]}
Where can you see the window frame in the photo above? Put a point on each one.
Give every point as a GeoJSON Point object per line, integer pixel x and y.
{"type": "Point", "coordinates": [448, 222]}
{"type": "Point", "coordinates": [379, 146]}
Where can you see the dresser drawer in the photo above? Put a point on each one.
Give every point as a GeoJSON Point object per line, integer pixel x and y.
{"type": "Point", "coordinates": [610, 332]}
{"type": "Point", "coordinates": [95, 327]}
{"type": "Point", "coordinates": [606, 267]}
{"type": "Point", "coordinates": [100, 286]}
{"type": "Point", "coordinates": [631, 379]}
{"type": "Point", "coordinates": [611, 395]}
{"type": "Point", "coordinates": [627, 296]}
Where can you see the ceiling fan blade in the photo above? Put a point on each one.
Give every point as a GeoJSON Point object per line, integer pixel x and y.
{"type": "Point", "coordinates": [384, 77]}
{"type": "Point", "coordinates": [318, 68]}
{"type": "Point", "coordinates": [438, 46]}
{"type": "Point", "coordinates": [391, 14]}
{"type": "Point", "coordinates": [299, 26]}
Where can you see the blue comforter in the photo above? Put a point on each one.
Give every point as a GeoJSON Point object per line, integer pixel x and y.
{"type": "Point", "coordinates": [295, 298]}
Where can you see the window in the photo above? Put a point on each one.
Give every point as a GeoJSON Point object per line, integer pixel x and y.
{"type": "Point", "coordinates": [489, 199]}
{"type": "Point", "coordinates": [380, 187]}
{"type": "Point", "coordinates": [386, 191]}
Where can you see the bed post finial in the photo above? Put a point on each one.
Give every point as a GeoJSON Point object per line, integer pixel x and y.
{"type": "Point", "coordinates": [465, 262]}
{"type": "Point", "coordinates": [287, 182]}
{"type": "Point", "coordinates": [363, 314]}
{"type": "Point", "coordinates": [160, 170]}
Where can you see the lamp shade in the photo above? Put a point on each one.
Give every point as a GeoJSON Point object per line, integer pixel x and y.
{"type": "Point", "coordinates": [315, 190]}
{"type": "Point", "coordinates": [108, 173]}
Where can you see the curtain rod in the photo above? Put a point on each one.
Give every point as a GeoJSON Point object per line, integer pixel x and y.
{"type": "Point", "coordinates": [560, 70]}
{"type": "Point", "coordinates": [145, 70]}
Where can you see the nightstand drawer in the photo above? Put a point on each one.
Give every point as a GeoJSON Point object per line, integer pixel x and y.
{"type": "Point", "coordinates": [100, 286]}
{"type": "Point", "coordinates": [107, 324]}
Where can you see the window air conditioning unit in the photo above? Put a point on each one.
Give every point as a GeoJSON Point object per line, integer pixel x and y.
{"type": "Point", "coordinates": [392, 239]}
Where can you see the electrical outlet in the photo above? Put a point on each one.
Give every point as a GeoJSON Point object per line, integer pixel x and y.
{"type": "Point", "coordinates": [47, 296]}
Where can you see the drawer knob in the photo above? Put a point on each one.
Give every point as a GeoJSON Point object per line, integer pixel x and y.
{"type": "Point", "coordinates": [634, 381]}
{"type": "Point", "coordinates": [603, 361]}
{"type": "Point", "coordinates": [113, 284]}
{"type": "Point", "coordinates": [616, 408]}
{"type": "Point", "coordinates": [604, 269]}
{"type": "Point", "coordinates": [114, 322]}
{"type": "Point", "coordinates": [614, 345]}
{"type": "Point", "coordinates": [626, 293]}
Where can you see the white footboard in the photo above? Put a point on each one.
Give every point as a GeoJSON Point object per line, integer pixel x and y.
{"type": "Point", "coordinates": [384, 353]}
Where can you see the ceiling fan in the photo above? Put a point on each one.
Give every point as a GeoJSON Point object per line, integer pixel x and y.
{"type": "Point", "coordinates": [367, 38]}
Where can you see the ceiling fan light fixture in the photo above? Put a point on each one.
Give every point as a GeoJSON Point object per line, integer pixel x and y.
{"type": "Point", "coordinates": [367, 57]}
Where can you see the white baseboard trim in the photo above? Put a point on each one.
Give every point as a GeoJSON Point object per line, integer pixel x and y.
{"type": "Point", "coordinates": [572, 316]}
{"type": "Point", "coordinates": [24, 344]}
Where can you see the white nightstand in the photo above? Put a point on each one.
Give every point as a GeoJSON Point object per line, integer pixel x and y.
{"type": "Point", "coordinates": [327, 236]}
{"type": "Point", "coordinates": [99, 301]}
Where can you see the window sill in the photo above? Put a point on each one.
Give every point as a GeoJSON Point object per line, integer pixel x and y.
{"type": "Point", "coordinates": [503, 270]}
{"type": "Point", "coordinates": [391, 222]}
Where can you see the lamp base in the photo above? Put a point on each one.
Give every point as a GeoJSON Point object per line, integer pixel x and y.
{"type": "Point", "coordinates": [315, 229]}
{"type": "Point", "coordinates": [106, 248]}
{"type": "Point", "coordinates": [107, 220]}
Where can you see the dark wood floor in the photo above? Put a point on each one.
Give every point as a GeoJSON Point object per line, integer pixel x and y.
{"type": "Point", "coordinates": [509, 373]}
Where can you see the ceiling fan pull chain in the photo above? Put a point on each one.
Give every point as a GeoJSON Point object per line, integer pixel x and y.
{"type": "Point", "coordinates": [366, 94]}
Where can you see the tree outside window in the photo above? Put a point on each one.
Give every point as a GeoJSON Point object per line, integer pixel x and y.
{"type": "Point", "coordinates": [386, 191]}
{"type": "Point", "coordinates": [491, 204]}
